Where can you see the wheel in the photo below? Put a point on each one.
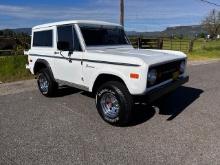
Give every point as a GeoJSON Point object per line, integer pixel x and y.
{"type": "Point", "coordinates": [114, 103]}
{"type": "Point", "coordinates": [46, 84]}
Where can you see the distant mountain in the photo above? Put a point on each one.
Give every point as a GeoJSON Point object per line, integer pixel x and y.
{"type": "Point", "coordinates": [188, 31]}
{"type": "Point", "coordinates": [22, 30]}
{"type": "Point", "coordinates": [144, 34]}
{"type": "Point", "coordinates": [184, 30]}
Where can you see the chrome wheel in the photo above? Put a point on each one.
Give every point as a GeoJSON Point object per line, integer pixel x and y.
{"type": "Point", "coordinates": [43, 83]}
{"type": "Point", "coordinates": [110, 105]}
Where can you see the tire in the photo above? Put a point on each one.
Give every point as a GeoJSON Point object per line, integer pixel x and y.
{"type": "Point", "coordinates": [114, 103]}
{"type": "Point", "coordinates": [46, 85]}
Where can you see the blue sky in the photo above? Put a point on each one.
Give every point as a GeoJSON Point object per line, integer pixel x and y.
{"type": "Point", "coordinates": [140, 15]}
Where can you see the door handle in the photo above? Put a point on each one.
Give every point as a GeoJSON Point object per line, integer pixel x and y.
{"type": "Point", "coordinates": [56, 52]}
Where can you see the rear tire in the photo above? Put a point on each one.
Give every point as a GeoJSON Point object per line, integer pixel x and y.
{"type": "Point", "coordinates": [46, 84]}
{"type": "Point", "coordinates": [114, 103]}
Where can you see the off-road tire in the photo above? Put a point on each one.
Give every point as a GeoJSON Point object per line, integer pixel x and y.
{"type": "Point", "coordinates": [119, 91]}
{"type": "Point", "coordinates": [52, 85]}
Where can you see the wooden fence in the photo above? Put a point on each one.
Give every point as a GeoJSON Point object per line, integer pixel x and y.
{"type": "Point", "coordinates": [7, 52]}
{"type": "Point", "coordinates": [184, 45]}
{"type": "Point", "coordinates": [178, 44]}
{"type": "Point", "coordinates": [147, 43]}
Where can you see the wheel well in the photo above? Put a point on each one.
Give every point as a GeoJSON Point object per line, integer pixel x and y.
{"type": "Point", "coordinates": [38, 66]}
{"type": "Point", "coordinates": [103, 78]}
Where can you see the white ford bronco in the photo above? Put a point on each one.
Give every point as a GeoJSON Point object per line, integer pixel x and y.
{"type": "Point", "coordinates": [97, 57]}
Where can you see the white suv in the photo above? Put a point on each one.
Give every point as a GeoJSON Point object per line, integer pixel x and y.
{"type": "Point", "coordinates": [97, 57]}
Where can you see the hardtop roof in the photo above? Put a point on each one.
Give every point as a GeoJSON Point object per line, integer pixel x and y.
{"type": "Point", "coordinates": [75, 22]}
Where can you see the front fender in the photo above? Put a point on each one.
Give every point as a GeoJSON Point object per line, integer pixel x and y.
{"type": "Point", "coordinates": [135, 86]}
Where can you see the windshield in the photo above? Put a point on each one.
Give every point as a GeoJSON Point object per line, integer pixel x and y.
{"type": "Point", "coordinates": [99, 35]}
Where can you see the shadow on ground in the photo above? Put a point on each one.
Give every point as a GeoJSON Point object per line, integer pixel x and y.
{"type": "Point", "coordinates": [65, 91]}
{"type": "Point", "coordinates": [171, 105]}
{"type": "Point", "coordinates": [179, 101]}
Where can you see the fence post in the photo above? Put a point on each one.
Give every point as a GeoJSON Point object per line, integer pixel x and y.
{"type": "Point", "coordinates": [191, 43]}
{"type": "Point", "coordinates": [171, 48]}
{"type": "Point", "coordinates": [160, 43]}
{"type": "Point", "coordinates": [139, 43]}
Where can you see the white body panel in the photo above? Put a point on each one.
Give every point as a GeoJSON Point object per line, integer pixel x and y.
{"type": "Point", "coordinates": [70, 71]}
{"type": "Point", "coordinates": [87, 65]}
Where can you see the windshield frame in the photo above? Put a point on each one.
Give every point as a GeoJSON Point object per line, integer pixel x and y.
{"type": "Point", "coordinates": [104, 45]}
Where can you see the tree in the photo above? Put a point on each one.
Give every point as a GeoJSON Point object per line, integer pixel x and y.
{"type": "Point", "coordinates": [122, 12]}
{"type": "Point", "coordinates": [202, 35]}
{"type": "Point", "coordinates": [212, 23]}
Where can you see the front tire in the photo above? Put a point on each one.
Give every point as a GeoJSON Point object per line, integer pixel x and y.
{"type": "Point", "coordinates": [114, 103]}
{"type": "Point", "coordinates": [46, 84]}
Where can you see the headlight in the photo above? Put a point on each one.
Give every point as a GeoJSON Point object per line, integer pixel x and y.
{"type": "Point", "coordinates": [182, 66]}
{"type": "Point", "coordinates": [152, 76]}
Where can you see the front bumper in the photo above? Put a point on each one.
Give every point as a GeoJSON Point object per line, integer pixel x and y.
{"type": "Point", "coordinates": [158, 92]}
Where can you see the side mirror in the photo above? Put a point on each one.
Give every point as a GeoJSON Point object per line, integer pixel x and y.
{"type": "Point", "coordinates": [64, 46]}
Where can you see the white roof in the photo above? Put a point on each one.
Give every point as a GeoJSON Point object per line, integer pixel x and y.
{"type": "Point", "coordinates": [75, 22]}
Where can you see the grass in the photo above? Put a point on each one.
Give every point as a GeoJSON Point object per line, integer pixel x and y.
{"type": "Point", "coordinates": [12, 68]}
{"type": "Point", "coordinates": [205, 50]}
{"type": "Point", "coordinates": [202, 50]}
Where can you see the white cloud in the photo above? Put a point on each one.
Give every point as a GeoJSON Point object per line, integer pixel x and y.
{"type": "Point", "coordinates": [106, 11]}
{"type": "Point", "coordinates": [53, 13]}
{"type": "Point", "coordinates": [9, 8]}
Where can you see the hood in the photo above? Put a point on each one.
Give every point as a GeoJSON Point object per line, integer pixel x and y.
{"type": "Point", "coordinates": [149, 56]}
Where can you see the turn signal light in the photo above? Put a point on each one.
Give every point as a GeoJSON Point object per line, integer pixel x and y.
{"type": "Point", "coordinates": [134, 75]}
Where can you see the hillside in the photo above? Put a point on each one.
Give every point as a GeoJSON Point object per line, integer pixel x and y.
{"type": "Point", "coordinates": [22, 30]}
{"type": "Point", "coordinates": [188, 31]}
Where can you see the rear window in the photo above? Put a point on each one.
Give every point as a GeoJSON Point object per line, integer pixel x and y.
{"type": "Point", "coordinates": [43, 38]}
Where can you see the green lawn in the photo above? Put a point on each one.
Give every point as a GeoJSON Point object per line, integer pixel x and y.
{"type": "Point", "coordinates": [202, 50]}
{"type": "Point", "coordinates": [12, 68]}
{"type": "Point", "coordinates": [205, 50]}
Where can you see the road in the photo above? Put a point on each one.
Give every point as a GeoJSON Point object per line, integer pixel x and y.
{"type": "Point", "coordinates": [67, 129]}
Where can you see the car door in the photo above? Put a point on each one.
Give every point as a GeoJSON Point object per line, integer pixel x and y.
{"type": "Point", "coordinates": [68, 57]}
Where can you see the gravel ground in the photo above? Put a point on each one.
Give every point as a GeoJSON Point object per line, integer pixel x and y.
{"type": "Point", "coordinates": [67, 129]}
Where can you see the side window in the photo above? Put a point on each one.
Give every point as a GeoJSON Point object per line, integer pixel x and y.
{"type": "Point", "coordinates": [67, 38]}
{"type": "Point", "coordinates": [43, 38]}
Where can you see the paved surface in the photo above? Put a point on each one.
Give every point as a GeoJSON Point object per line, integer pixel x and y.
{"type": "Point", "coordinates": [67, 129]}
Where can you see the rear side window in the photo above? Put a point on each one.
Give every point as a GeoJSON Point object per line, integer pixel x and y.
{"type": "Point", "coordinates": [68, 36]}
{"type": "Point", "coordinates": [43, 38]}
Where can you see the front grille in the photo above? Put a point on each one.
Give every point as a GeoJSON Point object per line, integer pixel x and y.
{"type": "Point", "coordinates": [166, 71]}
